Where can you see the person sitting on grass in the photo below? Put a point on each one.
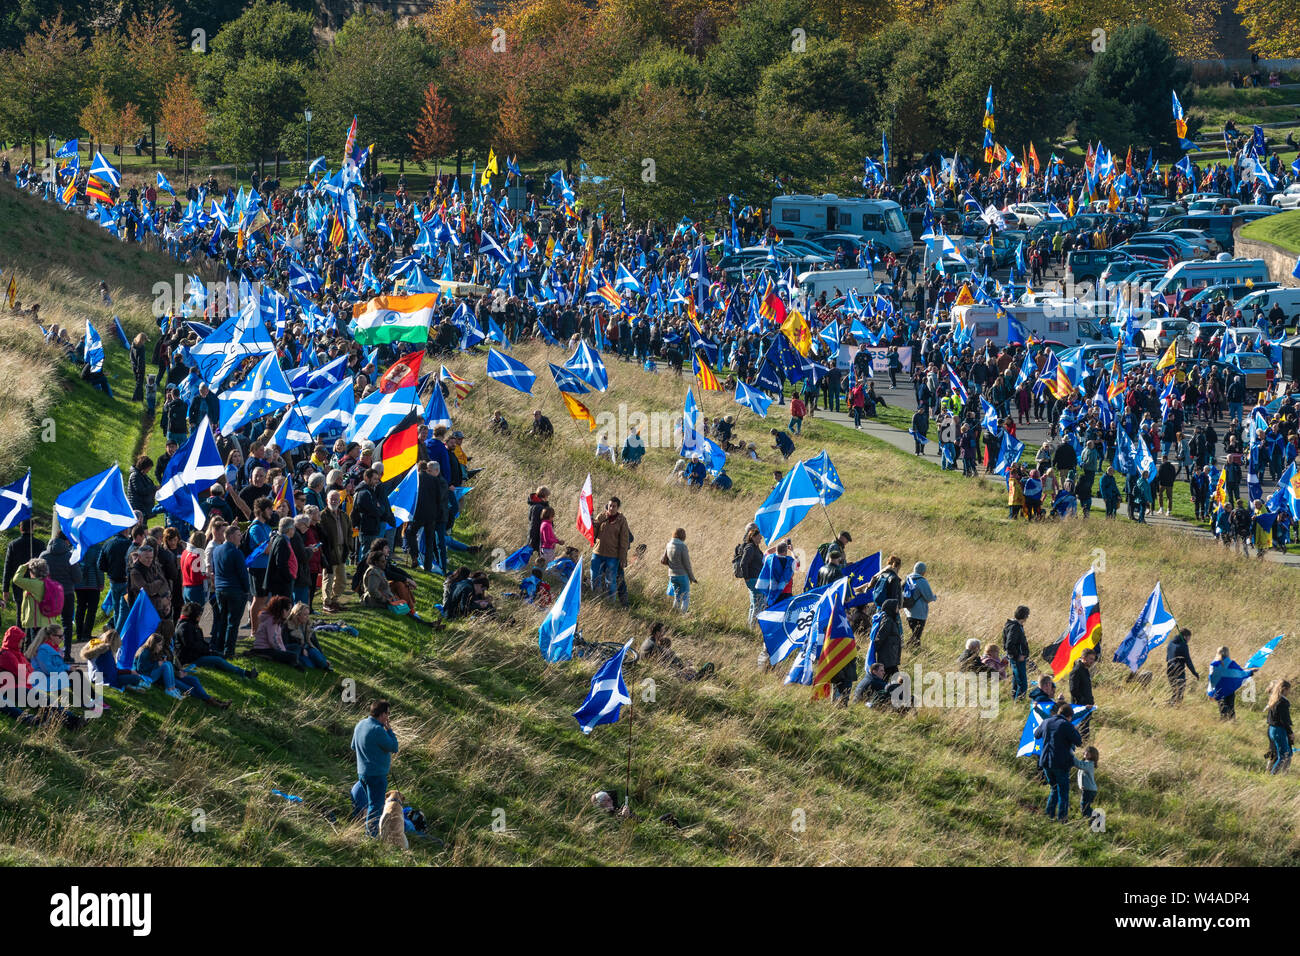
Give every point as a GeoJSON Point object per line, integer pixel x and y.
{"type": "Point", "coordinates": [268, 641]}
{"type": "Point", "coordinates": [468, 596]}
{"type": "Point", "coordinates": [659, 647]}
{"type": "Point", "coordinates": [100, 655]}
{"type": "Point", "coordinates": [300, 638]}
{"type": "Point", "coordinates": [377, 591]}
{"type": "Point", "coordinates": [45, 653]}
{"type": "Point", "coordinates": [193, 650]}
{"type": "Point", "coordinates": [154, 661]}
{"type": "Point", "coordinates": [972, 658]}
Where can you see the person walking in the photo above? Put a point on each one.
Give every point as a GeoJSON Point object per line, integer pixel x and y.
{"type": "Point", "coordinates": [1016, 645]}
{"type": "Point", "coordinates": [680, 573]}
{"type": "Point", "coordinates": [1056, 758]}
{"type": "Point", "coordinates": [917, 598]}
{"type": "Point", "coordinates": [1178, 660]}
{"type": "Point", "coordinates": [1280, 735]}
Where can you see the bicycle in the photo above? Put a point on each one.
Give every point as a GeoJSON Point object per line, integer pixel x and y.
{"type": "Point", "coordinates": [602, 650]}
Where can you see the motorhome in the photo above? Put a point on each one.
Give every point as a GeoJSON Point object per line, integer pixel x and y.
{"type": "Point", "coordinates": [1047, 319]}
{"type": "Point", "coordinates": [879, 220]}
{"type": "Point", "coordinates": [1222, 270]}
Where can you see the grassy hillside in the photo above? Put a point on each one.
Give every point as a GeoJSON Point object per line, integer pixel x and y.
{"type": "Point", "coordinates": [485, 725]}
{"type": "Point", "coordinates": [1282, 229]}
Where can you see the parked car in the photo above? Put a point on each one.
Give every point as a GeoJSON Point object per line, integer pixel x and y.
{"type": "Point", "coordinates": [1288, 198]}
{"type": "Point", "coordinates": [1156, 334]}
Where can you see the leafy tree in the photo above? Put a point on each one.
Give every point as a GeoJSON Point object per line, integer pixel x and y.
{"type": "Point", "coordinates": [259, 100]}
{"type": "Point", "coordinates": [1125, 98]}
{"type": "Point", "coordinates": [435, 131]}
{"type": "Point", "coordinates": [154, 56]}
{"type": "Point", "coordinates": [183, 119]}
{"type": "Point", "coordinates": [808, 151]}
{"type": "Point", "coordinates": [377, 72]}
{"type": "Point", "coordinates": [45, 84]}
{"type": "Point", "coordinates": [454, 25]}
{"type": "Point", "coordinates": [1273, 25]}
{"type": "Point", "coordinates": [822, 79]}
{"type": "Point", "coordinates": [265, 32]}
{"type": "Point", "coordinates": [1189, 25]}
{"type": "Point", "coordinates": [20, 18]}
{"type": "Point", "coordinates": [763, 32]}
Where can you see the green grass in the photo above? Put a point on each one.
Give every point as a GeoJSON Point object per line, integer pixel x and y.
{"type": "Point", "coordinates": [1282, 229]}
{"type": "Point", "coordinates": [485, 725]}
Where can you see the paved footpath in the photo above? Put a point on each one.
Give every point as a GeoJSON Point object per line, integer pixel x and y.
{"type": "Point", "coordinates": [1033, 435]}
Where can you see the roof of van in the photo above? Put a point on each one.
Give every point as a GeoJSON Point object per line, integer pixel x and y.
{"type": "Point", "coordinates": [1212, 265]}
{"type": "Point", "coordinates": [831, 197]}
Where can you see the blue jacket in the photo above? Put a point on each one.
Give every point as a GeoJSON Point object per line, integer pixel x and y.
{"type": "Point", "coordinates": [375, 745]}
{"type": "Point", "coordinates": [258, 534]}
{"type": "Point", "coordinates": [228, 569]}
{"type": "Point", "coordinates": [1059, 738]}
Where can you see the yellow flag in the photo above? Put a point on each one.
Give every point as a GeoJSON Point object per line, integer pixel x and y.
{"type": "Point", "coordinates": [796, 329]}
{"type": "Point", "coordinates": [708, 379]}
{"type": "Point", "coordinates": [964, 297]}
{"type": "Point", "coordinates": [490, 169]}
{"type": "Point", "coordinates": [12, 292]}
{"type": "Point", "coordinates": [578, 411]}
{"type": "Point", "coordinates": [1167, 360]}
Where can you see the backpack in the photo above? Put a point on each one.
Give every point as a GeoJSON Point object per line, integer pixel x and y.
{"type": "Point", "coordinates": [909, 592]}
{"type": "Point", "coordinates": [880, 591]}
{"type": "Point", "coordinates": [51, 604]}
{"type": "Point", "coordinates": [738, 561]}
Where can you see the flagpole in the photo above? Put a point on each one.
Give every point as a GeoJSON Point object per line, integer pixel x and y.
{"type": "Point", "coordinates": [627, 793]}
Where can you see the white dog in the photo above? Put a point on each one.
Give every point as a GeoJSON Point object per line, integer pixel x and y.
{"type": "Point", "coordinates": [392, 823]}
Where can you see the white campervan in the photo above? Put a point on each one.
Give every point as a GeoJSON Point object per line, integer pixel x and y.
{"type": "Point", "coordinates": [1200, 273]}
{"type": "Point", "coordinates": [1265, 299]}
{"type": "Point", "coordinates": [836, 282]}
{"type": "Point", "coordinates": [879, 220]}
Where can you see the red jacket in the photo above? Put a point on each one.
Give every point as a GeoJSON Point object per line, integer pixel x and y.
{"type": "Point", "coordinates": [12, 660]}
{"type": "Point", "coordinates": [192, 569]}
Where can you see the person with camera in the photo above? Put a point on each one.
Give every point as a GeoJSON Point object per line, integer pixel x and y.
{"type": "Point", "coordinates": [374, 743]}
{"type": "Point", "coordinates": [613, 536]}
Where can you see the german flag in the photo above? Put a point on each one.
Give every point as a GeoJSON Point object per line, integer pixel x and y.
{"type": "Point", "coordinates": [578, 411]}
{"type": "Point", "coordinates": [708, 379]}
{"type": "Point", "coordinates": [399, 452]}
{"type": "Point", "coordinates": [97, 191]}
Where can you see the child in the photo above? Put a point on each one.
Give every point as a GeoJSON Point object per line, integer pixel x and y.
{"type": "Point", "coordinates": [1087, 768]}
{"type": "Point", "coordinates": [548, 538]}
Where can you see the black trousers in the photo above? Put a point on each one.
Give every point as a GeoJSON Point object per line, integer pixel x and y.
{"type": "Point", "coordinates": [87, 609]}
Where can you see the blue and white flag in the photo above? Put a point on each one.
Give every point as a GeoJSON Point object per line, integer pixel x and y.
{"type": "Point", "coordinates": [1009, 454]}
{"type": "Point", "coordinates": [955, 382]}
{"type": "Point", "coordinates": [775, 575]}
{"type": "Point", "coordinates": [94, 510]}
{"type": "Point", "coordinates": [587, 365]}
{"type": "Point", "coordinates": [292, 431]}
{"type": "Point", "coordinates": [1029, 745]}
{"type": "Point", "coordinates": [190, 472]}
{"type": "Point", "coordinates": [1132, 457]}
{"type": "Point", "coordinates": [989, 420]}
{"type": "Point", "coordinates": [326, 376]}
{"type": "Point", "coordinates": [328, 409]}
{"type": "Point", "coordinates": [788, 503]}
{"type": "Point", "coordinates": [163, 184]}
{"type": "Point", "coordinates": [555, 636]}
{"type": "Point", "coordinates": [1153, 627]}
{"type": "Point", "coordinates": [103, 170]}
{"type": "Point", "coordinates": [304, 280]}
{"type": "Point", "coordinates": [68, 150]}
{"type": "Point", "coordinates": [1226, 677]}
{"type": "Point", "coordinates": [515, 560]}
{"type": "Point", "coordinates": [435, 411]}
{"type": "Point", "coordinates": [822, 471]}
{"type": "Point", "coordinates": [402, 499]}
{"type": "Point", "coordinates": [237, 338]}
{"type": "Point", "coordinates": [16, 502]}
{"type": "Point", "coordinates": [568, 381]}
{"type": "Point", "coordinates": [264, 392]}
{"type": "Point", "coordinates": [94, 355]}
{"type": "Point", "coordinates": [508, 371]}
{"type": "Point", "coordinates": [607, 696]}
{"type": "Point", "coordinates": [141, 622]}
{"type": "Point", "coordinates": [787, 624]}
{"type": "Point", "coordinates": [752, 399]}
{"type": "Point", "coordinates": [379, 414]}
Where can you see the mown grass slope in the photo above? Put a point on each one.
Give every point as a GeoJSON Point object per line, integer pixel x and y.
{"type": "Point", "coordinates": [753, 771]}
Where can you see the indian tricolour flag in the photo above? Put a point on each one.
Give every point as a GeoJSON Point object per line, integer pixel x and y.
{"type": "Point", "coordinates": [394, 318]}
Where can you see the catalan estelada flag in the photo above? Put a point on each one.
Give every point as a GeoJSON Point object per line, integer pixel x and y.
{"type": "Point", "coordinates": [399, 452]}
{"type": "Point", "coordinates": [610, 294]}
{"type": "Point", "coordinates": [337, 233]}
{"type": "Point", "coordinates": [578, 411]}
{"type": "Point", "coordinates": [838, 648]}
{"type": "Point", "coordinates": [708, 378]}
{"type": "Point", "coordinates": [1084, 631]}
{"type": "Point", "coordinates": [283, 500]}
{"type": "Point", "coordinates": [97, 191]}
{"type": "Point", "coordinates": [11, 293]}
{"type": "Point", "coordinates": [457, 384]}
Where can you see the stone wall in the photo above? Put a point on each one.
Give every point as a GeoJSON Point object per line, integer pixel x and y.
{"type": "Point", "coordinates": [1280, 262]}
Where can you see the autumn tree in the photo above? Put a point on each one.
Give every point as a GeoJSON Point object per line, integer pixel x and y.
{"type": "Point", "coordinates": [435, 130]}
{"type": "Point", "coordinates": [154, 55]}
{"type": "Point", "coordinates": [45, 84]}
{"type": "Point", "coordinates": [453, 25]}
{"type": "Point", "coordinates": [1273, 26]}
{"type": "Point", "coordinates": [183, 119]}
{"type": "Point", "coordinates": [99, 116]}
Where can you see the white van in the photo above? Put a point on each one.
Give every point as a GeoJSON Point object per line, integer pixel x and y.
{"type": "Point", "coordinates": [1288, 299]}
{"type": "Point", "coordinates": [1200, 273]}
{"type": "Point", "coordinates": [880, 220]}
{"type": "Point", "coordinates": [835, 282]}
{"type": "Point", "coordinates": [1053, 321]}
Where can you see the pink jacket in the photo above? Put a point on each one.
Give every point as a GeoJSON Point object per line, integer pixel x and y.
{"type": "Point", "coordinates": [268, 636]}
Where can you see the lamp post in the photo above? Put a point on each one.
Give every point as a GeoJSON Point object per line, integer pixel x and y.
{"type": "Point", "coordinates": [306, 114]}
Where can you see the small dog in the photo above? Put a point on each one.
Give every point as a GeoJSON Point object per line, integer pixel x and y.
{"type": "Point", "coordinates": [392, 823]}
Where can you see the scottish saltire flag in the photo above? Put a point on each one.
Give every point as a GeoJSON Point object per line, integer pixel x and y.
{"type": "Point", "coordinates": [588, 366]}
{"type": "Point", "coordinates": [1030, 745]}
{"type": "Point", "coordinates": [94, 510]}
{"type": "Point", "coordinates": [515, 560]}
{"type": "Point", "coordinates": [1132, 457]}
{"type": "Point", "coordinates": [380, 413]}
{"type": "Point", "coordinates": [435, 412]}
{"type": "Point", "coordinates": [141, 622]}
{"type": "Point", "coordinates": [190, 472]}
{"type": "Point", "coordinates": [16, 502]}
{"type": "Point", "coordinates": [567, 381]}
{"type": "Point", "coordinates": [237, 338]}
{"type": "Point", "coordinates": [1288, 492]}
{"type": "Point", "coordinates": [328, 409]}
{"type": "Point", "coordinates": [103, 170]}
{"type": "Point", "coordinates": [607, 696]}
{"type": "Point", "coordinates": [752, 399]}
{"type": "Point", "coordinates": [789, 502]}
{"type": "Point", "coordinates": [775, 575]}
{"type": "Point", "coordinates": [830, 602]}
{"type": "Point", "coordinates": [1153, 627]}
{"type": "Point", "coordinates": [262, 393]}
{"type": "Point", "coordinates": [555, 636]}
{"type": "Point", "coordinates": [326, 376]}
{"type": "Point", "coordinates": [989, 420]}
{"type": "Point", "coordinates": [508, 371]}
{"type": "Point", "coordinates": [163, 184]}
{"type": "Point", "coordinates": [822, 471]}
{"type": "Point", "coordinates": [1084, 630]}
{"type": "Point", "coordinates": [1226, 677]}
{"type": "Point", "coordinates": [292, 431]}
{"type": "Point", "coordinates": [94, 356]}
{"type": "Point", "coordinates": [304, 280]}
{"type": "Point", "coordinates": [402, 499]}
